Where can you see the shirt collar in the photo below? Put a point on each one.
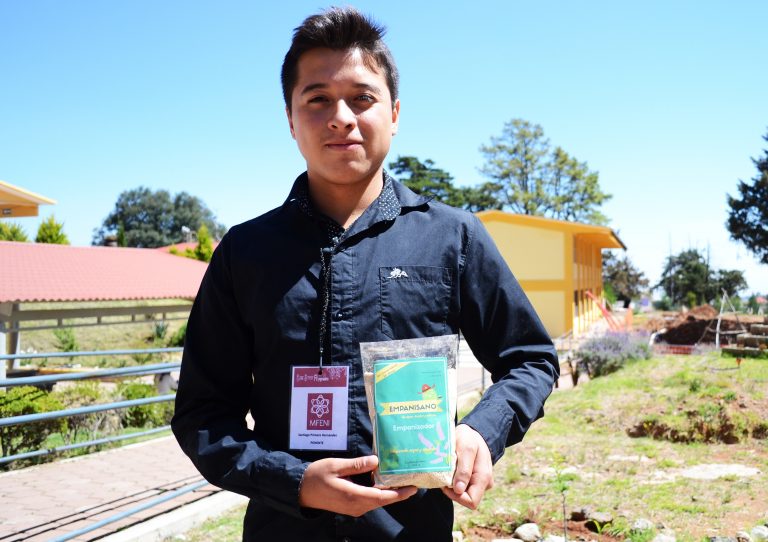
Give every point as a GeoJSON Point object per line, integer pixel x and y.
{"type": "Point", "coordinates": [388, 205]}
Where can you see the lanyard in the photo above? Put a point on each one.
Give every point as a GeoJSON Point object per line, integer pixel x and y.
{"type": "Point", "coordinates": [325, 295]}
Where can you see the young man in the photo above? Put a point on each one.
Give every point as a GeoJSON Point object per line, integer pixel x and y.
{"type": "Point", "coordinates": [352, 256]}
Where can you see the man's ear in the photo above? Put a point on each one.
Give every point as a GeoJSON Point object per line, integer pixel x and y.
{"type": "Point", "coordinates": [290, 121]}
{"type": "Point", "coordinates": [395, 116]}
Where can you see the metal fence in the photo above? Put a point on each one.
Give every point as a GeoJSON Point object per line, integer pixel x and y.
{"type": "Point", "coordinates": [94, 374]}
{"type": "Point", "coordinates": [49, 380]}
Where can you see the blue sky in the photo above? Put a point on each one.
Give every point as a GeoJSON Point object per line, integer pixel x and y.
{"type": "Point", "coordinates": [667, 100]}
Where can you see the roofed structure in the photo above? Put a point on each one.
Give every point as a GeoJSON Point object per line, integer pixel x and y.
{"type": "Point", "coordinates": [15, 201]}
{"type": "Point", "coordinates": [558, 265]}
{"type": "Point", "coordinates": [43, 272]}
{"type": "Point", "coordinates": [36, 272]}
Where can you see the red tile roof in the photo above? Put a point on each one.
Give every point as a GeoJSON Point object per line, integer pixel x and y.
{"type": "Point", "coordinates": [42, 272]}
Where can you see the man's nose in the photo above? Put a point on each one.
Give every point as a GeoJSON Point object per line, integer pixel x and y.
{"type": "Point", "coordinates": [342, 116]}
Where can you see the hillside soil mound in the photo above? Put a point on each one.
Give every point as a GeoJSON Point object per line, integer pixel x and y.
{"type": "Point", "coordinates": [697, 326]}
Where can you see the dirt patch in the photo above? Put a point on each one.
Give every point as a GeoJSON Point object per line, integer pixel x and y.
{"type": "Point", "coordinates": [716, 423]}
{"type": "Point", "coordinates": [577, 531]}
{"type": "Point", "coordinates": [698, 325]}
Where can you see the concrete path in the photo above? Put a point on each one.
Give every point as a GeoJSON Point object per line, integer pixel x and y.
{"type": "Point", "coordinates": [51, 500]}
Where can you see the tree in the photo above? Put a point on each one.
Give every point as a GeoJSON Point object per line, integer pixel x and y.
{"type": "Point", "coordinates": [748, 215]}
{"type": "Point", "coordinates": [687, 278]}
{"type": "Point", "coordinates": [622, 278]}
{"type": "Point", "coordinates": [10, 231]}
{"type": "Point", "coordinates": [150, 219]}
{"type": "Point", "coordinates": [732, 281]}
{"type": "Point", "coordinates": [425, 179]}
{"type": "Point", "coordinates": [480, 198]}
{"type": "Point", "coordinates": [203, 251]}
{"type": "Point", "coordinates": [51, 232]}
{"type": "Point", "coordinates": [535, 179]}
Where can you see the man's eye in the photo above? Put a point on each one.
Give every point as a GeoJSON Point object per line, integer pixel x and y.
{"type": "Point", "coordinates": [317, 99]}
{"type": "Point", "coordinates": [366, 98]}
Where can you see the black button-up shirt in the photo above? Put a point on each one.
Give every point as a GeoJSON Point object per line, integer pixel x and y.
{"type": "Point", "coordinates": [258, 313]}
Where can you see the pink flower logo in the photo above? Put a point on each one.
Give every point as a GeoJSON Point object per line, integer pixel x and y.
{"type": "Point", "coordinates": [320, 406]}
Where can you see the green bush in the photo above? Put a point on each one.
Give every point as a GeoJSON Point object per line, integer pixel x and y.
{"type": "Point", "coordinates": [151, 415]}
{"type": "Point", "coordinates": [609, 353]}
{"type": "Point", "coordinates": [66, 340]}
{"type": "Point", "coordinates": [177, 339]}
{"type": "Point", "coordinates": [27, 437]}
{"type": "Point", "coordinates": [10, 231]}
{"type": "Point", "coordinates": [87, 426]}
{"type": "Point", "coordinates": [51, 232]}
{"type": "Point", "coordinates": [161, 330]}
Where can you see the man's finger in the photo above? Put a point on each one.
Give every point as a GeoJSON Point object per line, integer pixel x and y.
{"type": "Point", "coordinates": [465, 462]}
{"type": "Point", "coordinates": [464, 499]}
{"type": "Point", "coordinates": [357, 465]}
{"type": "Point", "coordinates": [360, 499]}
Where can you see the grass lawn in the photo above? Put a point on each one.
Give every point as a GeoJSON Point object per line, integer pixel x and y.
{"type": "Point", "coordinates": [582, 446]}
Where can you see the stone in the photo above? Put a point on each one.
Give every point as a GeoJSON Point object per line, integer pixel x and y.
{"type": "Point", "coordinates": [642, 524]}
{"type": "Point", "coordinates": [458, 536]}
{"type": "Point", "coordinates": [662, 537]}
{"type": "Point", "coordinates": [554, 538]}
{"type": "Point", "coordinates": [759, 533]}
{"type": "Point", "coordinates": [504, 511]}
{"type": "Point", "coordinates": [743, 536]}
{"type": "Point", "coordinates": [581, 514]}
{"type": "Point", "coordinates": [528, 532]}
{"type": "Point", "coordinates": [721, 539]}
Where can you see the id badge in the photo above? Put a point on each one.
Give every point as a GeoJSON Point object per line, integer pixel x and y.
{"type": "Point", "coordinates": [319, 408]}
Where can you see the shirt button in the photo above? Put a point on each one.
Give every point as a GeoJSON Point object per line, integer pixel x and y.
{"type": "Point", "coordinates": [338, 316]}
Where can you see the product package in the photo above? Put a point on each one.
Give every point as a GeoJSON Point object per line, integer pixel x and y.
{"type": "Point", "coordinates": [411, 387]}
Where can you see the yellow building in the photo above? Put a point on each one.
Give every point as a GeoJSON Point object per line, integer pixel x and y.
{"type": "Point", "coordinates": [556, 263]}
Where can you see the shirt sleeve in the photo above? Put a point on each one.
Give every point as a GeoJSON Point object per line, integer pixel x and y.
{"type": "Point", "coordinates": [212, 400]}
{"type": "Point", "coordinates": [509, 340]}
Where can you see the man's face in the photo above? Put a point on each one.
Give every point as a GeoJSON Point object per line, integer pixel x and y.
{"type": "Point", "coordinates": [342, 117]}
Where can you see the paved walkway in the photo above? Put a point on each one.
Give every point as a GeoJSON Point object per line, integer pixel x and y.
{"type": "Point", "coordinates": [51, 500]}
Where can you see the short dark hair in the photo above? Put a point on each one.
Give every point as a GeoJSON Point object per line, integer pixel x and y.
{"type": "Point", "coordinates": [339, 29]}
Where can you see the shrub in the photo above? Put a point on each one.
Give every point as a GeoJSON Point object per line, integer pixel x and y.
{"type": "Point", "coordinates": [160, 331]}
{"type": "Point", "coordinates": [10, 231]}
{"type": "Point", "coordinates": [66, 340]}
{"type": "Point", "coordinates": [87, 425]}
{"type": "Point", "coordinates": [151, 415]}
{"type": "Point", "coordinates": [51, 232]}
{"type": "Point", "coordinates": [27, 437]}
{"type": "Point", "coordinates": [609, 353]}
{"type": "Point", "coordinates": [177, 339]}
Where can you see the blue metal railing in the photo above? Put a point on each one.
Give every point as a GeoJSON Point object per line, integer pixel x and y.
{"type": "Point", "coordinates": [116, 373]}
{"type": "Point", "coordinates": [157, 368]}
{"type": "Point", "coordinates": [126, 513]}
{"type": "Point", "coordinates": [85, 353]}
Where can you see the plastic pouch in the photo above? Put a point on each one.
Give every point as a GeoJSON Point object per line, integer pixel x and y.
{"type": "Point", "coordinates": [411, 387]}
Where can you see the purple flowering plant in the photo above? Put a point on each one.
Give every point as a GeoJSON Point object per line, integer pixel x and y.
{"type": "Point", "coordinates": [610, 352]}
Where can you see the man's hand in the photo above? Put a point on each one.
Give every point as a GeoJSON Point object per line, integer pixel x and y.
{"type": "Point", "coordinates": [474, 468]}
{"type": "Point", "coordinates": [326, 486]}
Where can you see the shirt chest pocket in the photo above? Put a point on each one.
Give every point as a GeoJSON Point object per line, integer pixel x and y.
{"type": "Point", "coordinates": [414, 301]}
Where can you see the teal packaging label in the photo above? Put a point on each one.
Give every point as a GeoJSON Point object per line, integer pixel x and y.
{"type": "Point", "coordinates": [412, 415]}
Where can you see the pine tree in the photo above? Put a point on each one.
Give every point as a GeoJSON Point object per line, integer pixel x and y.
{"type": "Point", "coordinates": [51, 232]}
{"type": "Point", "coordinates": [748, 215]}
